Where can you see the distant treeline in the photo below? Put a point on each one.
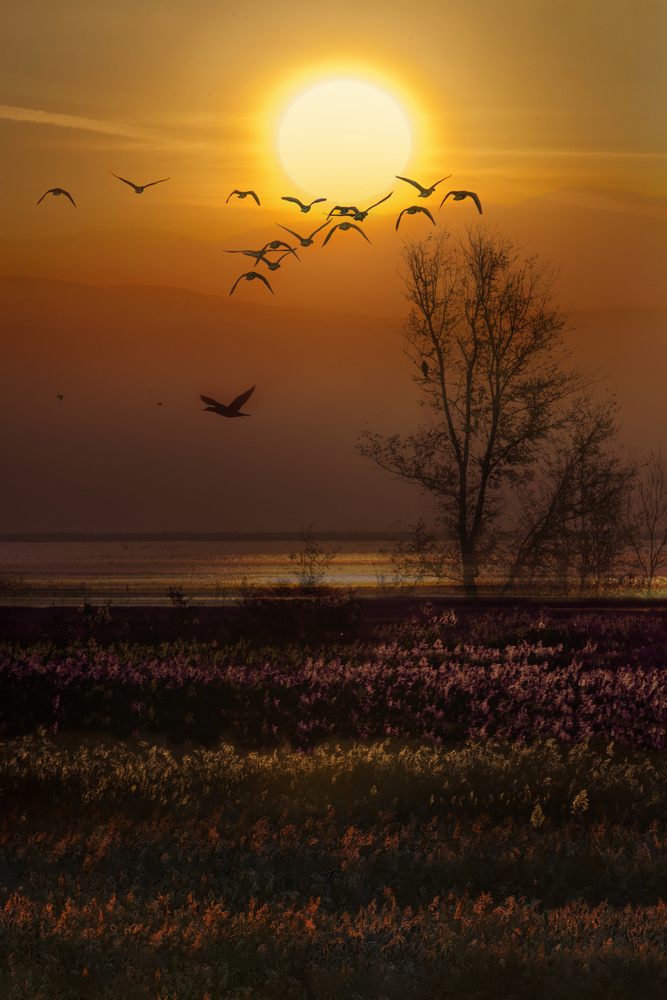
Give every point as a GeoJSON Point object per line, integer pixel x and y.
{"type": "Point", "coordinates": [195, 536]}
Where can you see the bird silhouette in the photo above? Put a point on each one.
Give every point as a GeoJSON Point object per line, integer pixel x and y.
{"type": "Point", "coordinates": [343, 210]}
{"type": "Point", "coordinates": [267, 248]}
{"type": "Point", "coordinates": [460, 195]}
{"type": "Point", "coordinates": [273, 265]}
{"type": "Point", "coordinates": [249, 275]}
{"type": "Point", "coordinates": [233, 409]}
{"type": "Point", "coordinates": [344, 225]}
{"type": "Point", "coordinates": [278, 245]}
{"type": "Point", "coordinates": [242, 194]}
{"type": "Point", "coordinates": [249, 253]}
{"type": "Point", "coordinates": [424, 192]}
{"type": "Point", "coordinates": [359, 216]}
{"type": "Point", "coordinates": [139, 188]}
{"type": "Point", "coordinates": [56, 192]}
{"type": "Point", "coordinates": [424, 369]}
{"type": "Point", "coordinates": [303, 208]}
{"type": "Point", "coordinates": [305, 241]}
{"type": "Point", "coordinates": [59, 395]}
{"type": "Point", "coordinates": [412, 210]}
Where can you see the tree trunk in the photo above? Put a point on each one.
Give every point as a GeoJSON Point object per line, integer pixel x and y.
{"type": "Point", "coordinates": [469, 567]}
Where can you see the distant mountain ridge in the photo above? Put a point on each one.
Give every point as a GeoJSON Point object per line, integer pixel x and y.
{"type": "Point", "coordinates": [610, 247]}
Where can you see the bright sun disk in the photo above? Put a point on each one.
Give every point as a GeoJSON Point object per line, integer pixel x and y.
{"type": "Point", "coordinates": [344, 140]}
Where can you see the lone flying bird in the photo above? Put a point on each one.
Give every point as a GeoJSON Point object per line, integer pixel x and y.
{"type": "Point", "coordinates": [344, 225]}
{"type": "Point", "coordinates": [460, 195]}
{"type": "Point", "coordinates": [424, 192]}
{"type": "Point", "coordinates": [242, 194]}
{"type": "Point", "coordinates": [57, 191]}
{"type": "Point", "coordinates": [139, 188]}
{"type": "Point", "coordinates": [305, 241]}
{"type": "Point", "coordinates": [249, 275]}
{"type": "Point", "coordinates": [59, 395]}
{"type": "Point", "coordinates": [413, 211]}
{"type": "Point", "coordinates": [233, 409]}
{"type": "Point", "coordinates": [303, 208]}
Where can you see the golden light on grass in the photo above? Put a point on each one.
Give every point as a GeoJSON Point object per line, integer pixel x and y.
{"type": "Point", "coordinates": [344, 139]}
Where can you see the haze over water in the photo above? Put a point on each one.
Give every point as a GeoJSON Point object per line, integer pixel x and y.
{"type": "Point", "coordinates": [142, 571]}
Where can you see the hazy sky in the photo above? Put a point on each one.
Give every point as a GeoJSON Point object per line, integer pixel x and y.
{"type": "Point", "coordinates": [516, 101]}
{"type": "Point", "coordinates": [516, 97]}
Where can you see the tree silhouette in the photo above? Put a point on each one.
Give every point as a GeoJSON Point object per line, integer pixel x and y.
{"type": "Point", "coordinates": [648, 518]}
{"type": "Point", "coordinates": [486, 342]}
{"type": "Point", "coordinates": [572, 521]}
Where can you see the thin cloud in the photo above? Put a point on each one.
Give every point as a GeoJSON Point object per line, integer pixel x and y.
{"type": "Point", "coordinates": [10, 113]}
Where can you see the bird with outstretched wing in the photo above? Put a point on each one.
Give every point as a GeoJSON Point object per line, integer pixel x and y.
{"type": "Point", "coordinates": [344, 226]}
{"type": "Point", "coordinates": [302, 207]}
{"type": "Point", "coordinates": [424, 192]}
{"type": "Point", "coordinates": [412, 210]}
{"type": "Point", "coordinates": [138, 188]}
{"type": "Point", "coordinates": [460, 195]}
{"type": "Point", "coordinates": [232, 409]}
{"type": "Point", "coordinates": [249, 275]}
{"type": "Point", "coordinates": [56, 192]}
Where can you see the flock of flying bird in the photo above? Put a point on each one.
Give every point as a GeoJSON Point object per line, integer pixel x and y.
{"type": "Point", "coordinates": [352, 212]}
{"type": "Point", "coordinates": [352, 215]}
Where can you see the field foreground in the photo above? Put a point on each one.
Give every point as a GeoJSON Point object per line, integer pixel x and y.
{"type": "Point", "coordinates": [138, 861]}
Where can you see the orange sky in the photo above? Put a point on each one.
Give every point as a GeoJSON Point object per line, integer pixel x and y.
{"type": "Point", "coordinates": [554, 112]}
{"type": "Point", "coordinates": [510, 97]}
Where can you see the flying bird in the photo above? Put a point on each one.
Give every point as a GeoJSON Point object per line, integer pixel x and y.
{"type": "Point", "coordinates": [59, 395]}
{"type": "Point", "coordinates": [460, 195]}
{"type": "Point", "coordinates": [242, 194]}
{"type": "Point", "coordinates": [343, 210]}
{"type": "Point", "coordinates": [344, 225]}
{"type": "Point", "coordinates": [139, 188]}
{"type": "Point", "coordinates": [272, 265]}
{"type": "Point", "coordinates": [249, 253]}
{"type": "Point", "coordinates": [249, 275]}
{"type": "Point", "coordinates": [278, 245]}
{"type": "Point", "coordinates": [267, 248]}
{"type": "Point", "coordinates": [305, 241]}
{"type": "Point", "coordinates": [424, 192]}
{"type": "Point", "coordinates": [412, 210]}
{"type": "Point", "coordinates": [359, 216]}
{"type": "Point", "coordinates": [233, 409]}
{"type": "Point", "coordinates": [303, 208]}
{"type": "Point", "coordinates": [56, 192]}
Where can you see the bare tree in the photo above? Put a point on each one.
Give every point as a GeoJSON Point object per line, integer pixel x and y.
{"type": "Point", "coordinates": [486, 343]}
{"type": "Point", "coordinates": [572, 521]}
{"type": "Point", "coordinates": [648, 518]}
{"type": "Point", "coordinates": [313, 561]}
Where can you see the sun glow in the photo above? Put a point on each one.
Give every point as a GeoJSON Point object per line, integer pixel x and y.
{"type": "Point", "coordinates": [344, 139]}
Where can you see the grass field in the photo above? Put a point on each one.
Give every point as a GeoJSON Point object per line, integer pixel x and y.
{"type": "Point", "coordinates": [138, 860]}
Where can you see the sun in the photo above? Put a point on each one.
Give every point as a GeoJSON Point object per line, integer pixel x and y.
{"type": "Point", "coordinates": [344, 139]}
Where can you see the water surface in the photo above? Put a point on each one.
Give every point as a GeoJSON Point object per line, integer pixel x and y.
{"type": "Point", "coordinates": [142, 571]}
